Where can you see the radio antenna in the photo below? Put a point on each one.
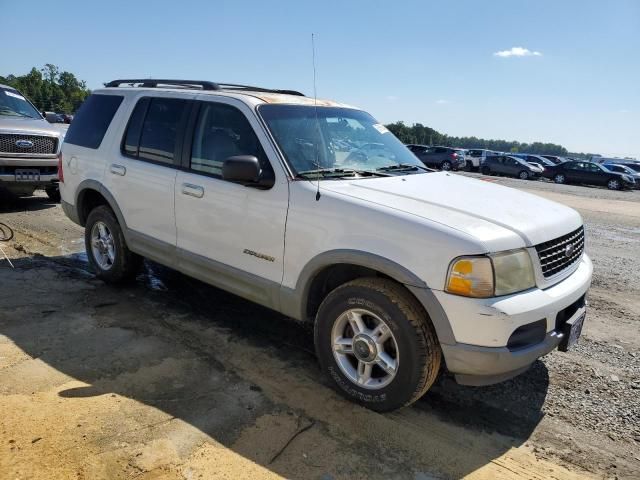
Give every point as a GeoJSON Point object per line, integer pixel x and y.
{"type": "Point", "coordinates": [315, 107]}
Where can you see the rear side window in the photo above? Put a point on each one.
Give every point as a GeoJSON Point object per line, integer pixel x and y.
{"type": "Point", "coordinates": [153, 128]}
{"type": "Point", "coordinates": [92, 120]}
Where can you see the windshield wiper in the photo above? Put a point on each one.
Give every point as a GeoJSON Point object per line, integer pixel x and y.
{"type": "Point", "coordinates": [6, 111]}
{"type": "Point", "coordinates": [339, 173]}
{"type": "Point", "coordinates": [402, 167]}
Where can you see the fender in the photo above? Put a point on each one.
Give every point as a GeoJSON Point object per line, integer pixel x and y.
{"type": "Point", "coordinates": [102, 190]}
{"type": "Point", "coordinates": [294, 301]}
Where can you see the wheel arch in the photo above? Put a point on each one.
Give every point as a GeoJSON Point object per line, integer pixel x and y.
{"type": "Point", "coordinates": [91, 194]}
{"type": "Point", "coordinates": [329, 270]}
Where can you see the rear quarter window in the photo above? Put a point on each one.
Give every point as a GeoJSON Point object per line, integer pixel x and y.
{"type": "Point", "coordinates": [92, 120]}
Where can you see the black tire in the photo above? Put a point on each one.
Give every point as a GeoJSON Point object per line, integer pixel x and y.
{"type": "Point", "coordinates": [485, 170]}
{"type": "Point", "coordinates": [419, 352]}
{"type": "Point", "coordinates": [446, 166]}
{"type": "Point", "coordinates": [126, 264]}
{"type": "Point", "coordinates": [559, 178]}
{"type": "Point", "coordinates": [53, 193]}
{"type": "Point", "coordinates": [523, 175]}
{"type": "Point", "coordinates": [614, 184]}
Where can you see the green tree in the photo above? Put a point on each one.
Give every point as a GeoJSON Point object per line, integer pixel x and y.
{"type": "Point", "coordinates": [50, 89]}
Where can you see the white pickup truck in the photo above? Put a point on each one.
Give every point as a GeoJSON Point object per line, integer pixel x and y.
{"type": "Point", "coordinates": [403, 271]}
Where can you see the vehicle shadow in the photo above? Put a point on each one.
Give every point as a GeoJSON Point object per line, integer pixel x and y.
{"type": "Point", "coordinates": [181, 346]}
{"type": "Point", "coordinates": [11, 204]}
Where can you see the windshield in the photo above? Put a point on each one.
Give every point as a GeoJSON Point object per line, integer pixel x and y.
{"type": "Point", "coordinates": [15, 105]}
{"type": "Point", "coordinates": [335, 138]}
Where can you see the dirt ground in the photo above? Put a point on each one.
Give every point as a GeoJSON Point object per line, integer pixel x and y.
{"type": "Point", "coordinates": [172, 379]}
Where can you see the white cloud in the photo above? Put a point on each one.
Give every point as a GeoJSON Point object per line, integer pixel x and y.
{"type": "Point", "coordinates": [442, 101]}
{"type": "Point", "coordinates": [517, 52]}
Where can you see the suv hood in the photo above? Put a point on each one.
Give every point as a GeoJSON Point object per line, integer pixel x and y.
{"type": "Point", "coordinates": [500, 217]}
{"type": "Point", "coordinates": [28, 126]}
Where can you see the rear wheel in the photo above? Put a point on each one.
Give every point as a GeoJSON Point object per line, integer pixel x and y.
{"type": "Point", "coordinates": [523, 175]}
{"type": "Point", "coordinates": [559, 178]}
{"type": "Point", "coordinates": [107, 250]}
{"type": "Point", "coordinates": [446, 165]}
{"type": "Point", "coordinates": [468, 166]}
{"type": "Point", "coordinates": [485, 170]}
{"type": "Point", "coordinates": [377, 344]}
{"type": "Point", "coordinates": [614, 184]}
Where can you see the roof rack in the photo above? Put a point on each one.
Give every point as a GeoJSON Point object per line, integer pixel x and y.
{"type": "Point", "coordinates": [202, 85]}
{"type": "Point", "coordinates": [155, 82]}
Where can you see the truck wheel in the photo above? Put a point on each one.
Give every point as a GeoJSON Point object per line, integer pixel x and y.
{"type": "Point", "coordinates": [485, 170]}
{"type": "Point", "coordinates": [376, 342]}
{"type": "Point", "coordinates": [53, 193]}
{"type": "Point", "coordinates": [107, 250]}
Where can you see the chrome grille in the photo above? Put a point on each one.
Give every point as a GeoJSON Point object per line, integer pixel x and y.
{"type": "Point", "coordinates": [41, 145]}
{"type": "Point", "coordinates": [559, 254]}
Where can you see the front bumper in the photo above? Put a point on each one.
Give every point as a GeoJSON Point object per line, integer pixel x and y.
{"type": "Point", "coordinates": [482, 327]}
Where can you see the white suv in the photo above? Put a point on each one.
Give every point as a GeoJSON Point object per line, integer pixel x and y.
{"type": "Point", "coordinates": [267, 194]}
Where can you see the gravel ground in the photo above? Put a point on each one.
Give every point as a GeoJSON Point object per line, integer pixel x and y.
{"type": "Point", "coordinates": [145, 359]}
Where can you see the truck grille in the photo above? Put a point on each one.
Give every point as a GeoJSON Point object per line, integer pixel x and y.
{"type": "Point", "coordinates": [558, 254]}
{"type": "Point", "coordinates": [40, 145]}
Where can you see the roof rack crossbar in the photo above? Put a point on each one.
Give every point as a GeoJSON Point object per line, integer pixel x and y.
{"type": "Point", "coordinates": [154, 82]}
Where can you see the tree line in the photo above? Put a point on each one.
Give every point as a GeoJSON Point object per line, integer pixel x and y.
{"type": "Point", "coordinates": [60, 91]}
{"type": "Point", "coordinates": [420, 134]}
{"type": "Point", "coordinates": [49, 89]}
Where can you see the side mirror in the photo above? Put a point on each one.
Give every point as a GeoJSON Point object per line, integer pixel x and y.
{"type": "Point", "coordinates": [246, 170]}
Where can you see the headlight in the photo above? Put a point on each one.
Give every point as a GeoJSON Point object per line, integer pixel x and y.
{"type": "Point", "coordinates": [493, 275]}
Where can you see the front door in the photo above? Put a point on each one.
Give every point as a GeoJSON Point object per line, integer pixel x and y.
{"type": "Point", "coordinates": [229, 234]}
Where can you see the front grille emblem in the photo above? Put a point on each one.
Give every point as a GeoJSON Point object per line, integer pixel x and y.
{"type": "Point", "coordinates": [24, 143]}
{"type": "Point", "coordinates": [568, 250]}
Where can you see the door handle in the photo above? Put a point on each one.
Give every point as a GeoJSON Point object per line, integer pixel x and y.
{"type": "Point", "coordinates": [192, 190]}
{"type": "Point", "coordinates": [118, 169]}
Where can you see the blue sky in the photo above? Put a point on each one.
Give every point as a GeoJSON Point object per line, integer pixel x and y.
{"type": "Point", "coordinates": [417, 61]}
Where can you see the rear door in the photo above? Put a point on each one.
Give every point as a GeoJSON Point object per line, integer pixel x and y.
{"type": "Point", "coordinates": [229, 234]}
{"type": "Point", "coordinates": [142, 174]}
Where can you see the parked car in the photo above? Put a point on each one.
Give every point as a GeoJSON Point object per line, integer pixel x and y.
{"type": "Point", "coordinates": [400, 274]}
{"type": "Point", "coordinates": [624, 169]}
{"type": "Point", "coordinates": [511, 166]}
{"type": "Point", "coordinates": [547, 166]}
{"type": "Point", "coordinates": [443, 158]}
{"type": "Point", "coordinates": [476, 157]}
{"type": "Point", "coordinates": [555, 159]}
{"type": "Point", "coordinates": [589, 173]}
{"type": "Point", "coordinates": [29, 147]}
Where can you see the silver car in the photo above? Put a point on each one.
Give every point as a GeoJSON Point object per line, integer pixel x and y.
{"type": "Point", "coordinates": [29, 146]}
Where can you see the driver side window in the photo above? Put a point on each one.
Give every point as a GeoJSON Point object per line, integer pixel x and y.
{"type": "Point", "coordinates": [222, 131]}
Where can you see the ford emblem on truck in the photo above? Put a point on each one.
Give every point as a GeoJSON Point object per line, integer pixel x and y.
{"type": "Point", "coordinates": [569, 250]}
{"type": "Point", "coordinates": [24, 143]}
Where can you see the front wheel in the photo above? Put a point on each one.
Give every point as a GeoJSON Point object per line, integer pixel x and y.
{"type": "Point", "coordinates": [485, 170]}
{"type": "Point", "coordinates": [446, 166]}
{"type": "Point", "coordinates": [614, 184]}
{"type": "Point", "coordinates": [559, 178]}
{"type": "Point", "coordinates": [523, 175]}
{"type": "Point", "coordinates": [376, 342]}
{"type": "Point", "coordinates": [107, 249]}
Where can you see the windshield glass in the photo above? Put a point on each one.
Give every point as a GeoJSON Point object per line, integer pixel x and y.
{"type": "Point", "coordinates": [14, 104]}
{"type": "Point", "coordinates": [334, 138]}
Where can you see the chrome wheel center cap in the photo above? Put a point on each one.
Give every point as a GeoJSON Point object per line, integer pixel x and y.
{"type": "Point", "coordinates": [364, 348]}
